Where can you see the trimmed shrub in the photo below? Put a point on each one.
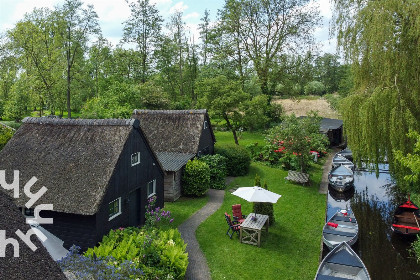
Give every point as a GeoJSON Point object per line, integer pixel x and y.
{"type": "Point", "coordinates": [264, 208]}
{"type": "Point", "coordinates": [217, 165]}
{"type": "Point", "coordinates": [238, 159]}
{"type": "Point", "coordinates": [196, 178]}
{"type": "Point", "coordinates": [314, 88]}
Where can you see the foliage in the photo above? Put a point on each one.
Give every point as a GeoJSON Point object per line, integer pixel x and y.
{"type": "Point", "coordinates": [380, 39]}
{"type": "Point", "coordinates": [257, 180]}
{"type": "Point", "coordinates": [84, 268]}
{"type": "Point", "coordinates": [222, 97]}
{"type": "Point", "coordinates": [411, 161]}
{"type": "Point", "coordinates": [155, 216]}
{"type": "Point", "coordinates": [333, 100]}
{"type": "Point", "coordinates": [159, 254]}
{"type": "Point", "coordinates": [264, 208]}
{"type": "Point", "coordinates": [293, 140]}
{"type": "Point", "coordinates": [16, 105]}
{"type": "Point", "coordinates": [153, 97]}
{"type": "Point", "coordinates": [196, 178]}
{"type": "Point", "coordinates": [5, 135]}
{"type": "Point", "coordinates": [256, 113]}
{"type": "Point", "coordinates": [314, 88]}
{"type": "Point", "coordinates": [218, 170]}
{"type": "Point", "coordinates": [238, 159]}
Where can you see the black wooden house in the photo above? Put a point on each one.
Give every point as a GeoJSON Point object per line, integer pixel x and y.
{"type": "Point", "coordinates": [176, 136]}
{"type": "Point", "coordinates": [99, 174]}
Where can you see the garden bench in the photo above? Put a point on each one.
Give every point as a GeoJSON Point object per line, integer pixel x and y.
{"type": "Point", "coordinates": [298, 177]}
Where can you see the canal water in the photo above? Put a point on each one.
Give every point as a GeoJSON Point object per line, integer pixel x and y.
{"type": "Point", "coordinates": [373, 201]}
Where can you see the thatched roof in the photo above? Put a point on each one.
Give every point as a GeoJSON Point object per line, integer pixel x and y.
{"type": "Point", "coordinates": [173, 161]}
{"type": "Point", "coordinates": [73, 159]}
{"type": "Point", "coordinates": [174, 131]}
{"type": "Point", "coordinates": [36, 265]}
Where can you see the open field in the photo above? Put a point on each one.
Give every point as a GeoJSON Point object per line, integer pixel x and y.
{"type": "Point", "coordinates": [301, 107]}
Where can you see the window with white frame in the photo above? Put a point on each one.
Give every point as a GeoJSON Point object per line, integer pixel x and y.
{"type": "Point", "coordinates": [151, 188]}
{"type": "Point", "coordinates": [135, 158]}
{"type": "Point", "coordinates": [206, 125]}
{"type": "Point", "coordinates": [114, 208]}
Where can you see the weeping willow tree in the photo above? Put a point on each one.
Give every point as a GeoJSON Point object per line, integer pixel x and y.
{"type": "Point", "coordinates": [381, 39]}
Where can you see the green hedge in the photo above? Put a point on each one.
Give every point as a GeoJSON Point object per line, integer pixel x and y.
{"type": "Point", "coordinates": [5, 135]}
{"type": "Point", "coordinates": [238, 159]}
{"type": "Point", "coordinates": [218, 171]}
{"type": "Point", "coordinates": [196, 178]}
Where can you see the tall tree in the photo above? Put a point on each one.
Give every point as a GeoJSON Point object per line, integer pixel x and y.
{"type": "Point", "coordinates": [204, 27]}
{"type": "Point", "coordinates": [77, 24]}
{"type": "Point", "coordinates": [270, 27]}
{"type": "Point", "coordinates": [381, 39]}
{"type": "Point", "coordinates": [144, 29]}
{"type": "Point", "coordinates": [35, 42]}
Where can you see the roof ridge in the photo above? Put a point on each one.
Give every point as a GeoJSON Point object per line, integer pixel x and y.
{"type": "Point", "coordinates": [191, 111]}
{"type": "Point", "coordinates": [98, 122]}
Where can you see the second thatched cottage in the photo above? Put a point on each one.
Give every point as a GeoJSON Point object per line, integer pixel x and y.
{"type": "Point", "coordinates": [176, 136]}
{"type": "Point", "coordinates": [98, 174]}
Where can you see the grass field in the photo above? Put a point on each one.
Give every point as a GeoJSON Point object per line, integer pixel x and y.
{"type": "Point", "coordinates": [245, 138]}
{"type": "Point", "coordinates": [184, 207]}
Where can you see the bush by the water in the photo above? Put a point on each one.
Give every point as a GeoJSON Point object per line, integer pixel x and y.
{"type": "Point", "coordinates": [196, 178]}
{"type": "Point", "coordinates": [238, 159]}
{"type": "Point", "coordinates": [131, 253]}
{"type": "Point", "coordinates": [217, 165]}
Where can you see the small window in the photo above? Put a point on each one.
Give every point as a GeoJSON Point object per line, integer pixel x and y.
{"type": "Point", "coordinates": [206, 125]}
{"type": "Point", "coordinates": [151, 188]}
{"type": "Point", "coordinates": [28, 212]}
{"type": "Point", "coordinates": [135, 158]}
{"type": "Point", "coordinates": [114, 209]}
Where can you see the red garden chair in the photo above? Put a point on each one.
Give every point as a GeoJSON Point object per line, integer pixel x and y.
{"type": "Point", "coordinates": [237, 213]}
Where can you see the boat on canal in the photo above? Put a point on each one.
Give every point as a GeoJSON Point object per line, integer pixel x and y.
{"type": "Point", "coordinates": [340, 160]}
{"type": "Point", "coordinates": [341, 196]}
{"type": "Point", "coordinates": [341, 227]}
{"type": "Point", "coordinates": [346, 153]}
{"type": "Point", "coordinates": [341, 178]}
{"type": "Point", "coordinates": [342, 263]}
{"type": "Point", "coordinates": [406, 219]}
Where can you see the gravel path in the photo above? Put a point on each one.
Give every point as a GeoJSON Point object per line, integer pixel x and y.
{"type": "Point", "coordinates": [197, 267]}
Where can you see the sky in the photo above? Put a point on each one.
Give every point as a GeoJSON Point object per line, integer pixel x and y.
{"type": "Point", "coordinates": [112, 14]}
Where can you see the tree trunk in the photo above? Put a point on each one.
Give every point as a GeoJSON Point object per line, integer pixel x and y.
{"type": "Point", "coordinates": [68, 93]}
{"type": "Point", "coordinates": [230, 127]}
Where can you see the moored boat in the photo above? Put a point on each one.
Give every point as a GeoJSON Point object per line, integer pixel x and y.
{"type": "Point", "coordinates": [341, 196]}
{"type": "Point", "coordinates": [341, 178]}
{"type": "Point", "coordinates": [406, 219]}
{"type": "Point", "coordinates": [341, 227]}
{"type": "Point", "coordinates": [340, 160]}
{"type": "Point", "coordinates": [342, 263]}
{"type": "Point", "coordinates": [347, 153]}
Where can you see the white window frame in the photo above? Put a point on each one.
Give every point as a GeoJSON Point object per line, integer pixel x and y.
{"type": "Point", "coordinates": [206, 125]}
{"type": "Point", "coordinates": [138, 157]}
{"type": "Point", "coordinates": [119, 209]}
{"type": "Point", "coordinates": [154, 188]}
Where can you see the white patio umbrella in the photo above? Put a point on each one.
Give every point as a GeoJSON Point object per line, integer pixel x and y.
{"type": "Point", "coordinates": [256, 194]}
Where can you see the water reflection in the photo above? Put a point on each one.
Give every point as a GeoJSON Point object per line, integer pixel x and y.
{"type": "Point", "coordinates": [373, 201]}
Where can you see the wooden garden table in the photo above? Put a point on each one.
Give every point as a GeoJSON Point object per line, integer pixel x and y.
{"type": "Point", "coordinates": [251, 230]}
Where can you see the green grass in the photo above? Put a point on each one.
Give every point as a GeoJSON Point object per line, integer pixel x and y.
{"type": "Point", "coordinates": [13, 124]}
{"type": "Point", "coordinates": [184, 207]}
{"type": "Point", "coordinates": [290, 250]}
{"type": "Point", "coordinates": [226, 137]}
{"type": "Point", "coordinates": [74, 115]}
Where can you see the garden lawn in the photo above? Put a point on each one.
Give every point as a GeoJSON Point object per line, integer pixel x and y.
{"type": "Point", "coordinates": [245, 138]}
{"type": "Point", "coordinates": [183, 208]}
{"type": "Point", "coordinates": [290, 250]}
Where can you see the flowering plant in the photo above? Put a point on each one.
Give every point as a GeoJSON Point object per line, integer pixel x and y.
{"type": "Point", "coordinates": [157, 217]}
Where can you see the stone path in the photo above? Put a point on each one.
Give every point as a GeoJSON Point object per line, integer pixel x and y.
{"type": "Point", "coordinates": [323, 188]}
{"type": "Point", "coordinates": [197, 267]}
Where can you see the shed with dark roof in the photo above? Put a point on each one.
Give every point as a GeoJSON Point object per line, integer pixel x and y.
{"type": "Point", "coordinates": [34, 265]}
{"type": "Point", "coordinates": [333, 129]}
{"type": "Point", "coordinates": [99, 174]}
{"type": "Point", "coordinates": [176, 136]}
